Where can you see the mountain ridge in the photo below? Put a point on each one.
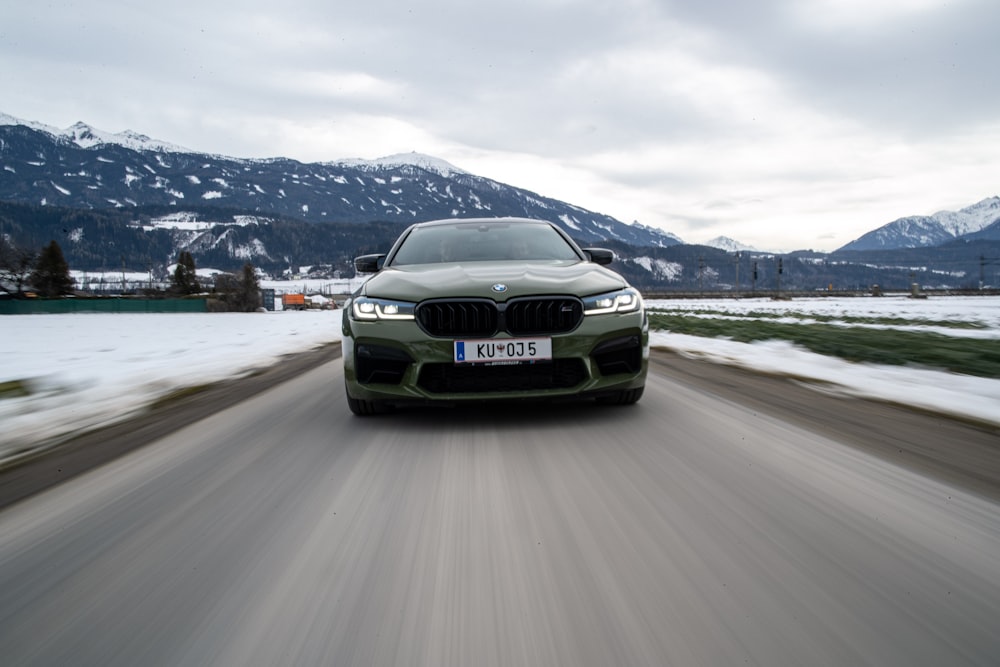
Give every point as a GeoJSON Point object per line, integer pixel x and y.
{"type": "Point", "coordinates": [88, 168]}
{"type": "Point", "coordinates": [920, 231]}
{"type": "Point", "coordinates": [117, 199]}
{"type": "Point", "coordinates": [729, 245]}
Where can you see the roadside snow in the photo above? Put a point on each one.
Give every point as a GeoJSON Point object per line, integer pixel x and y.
{"type": "Point", "coordinates": [85, 370]}
{"type": "Point", "coordinates": [939, 391]}
{"type": "Point", "coordinates": [962, 395]}
{"type": "Point", "coordinates": [88, 369]}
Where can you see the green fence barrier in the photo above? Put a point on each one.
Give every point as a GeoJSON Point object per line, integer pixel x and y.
{"type": "Point", "coordinates": [119, 305]}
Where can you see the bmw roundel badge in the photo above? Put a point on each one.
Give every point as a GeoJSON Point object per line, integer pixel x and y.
{"type": "Point", "coordinates": [499, 287]}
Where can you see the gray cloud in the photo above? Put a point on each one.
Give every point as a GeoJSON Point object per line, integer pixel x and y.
{"type": "Point", "coordinates": [799, 115]}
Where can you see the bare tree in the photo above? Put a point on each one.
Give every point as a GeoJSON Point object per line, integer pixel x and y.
{"type": "Point", "coordinates": [238, 292]}
{"type": "Point", "coordinates": [16, 266]}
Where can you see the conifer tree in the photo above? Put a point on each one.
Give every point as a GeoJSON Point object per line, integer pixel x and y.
{"type": "Point", "coordinates": [248, 298]}
{"type": "Point", "coordinates": [51, 275]}
{"type": "Point", "coordinates": [185, 278]}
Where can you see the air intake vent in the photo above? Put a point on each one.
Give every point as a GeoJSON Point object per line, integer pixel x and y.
{"type": "Point", "coordinates": [469, 379]}
{"type": "Point", "coordinates": [619, 355]}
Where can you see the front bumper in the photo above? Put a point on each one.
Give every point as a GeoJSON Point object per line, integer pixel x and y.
{"type": "Point", "coordinates": [396, 361]}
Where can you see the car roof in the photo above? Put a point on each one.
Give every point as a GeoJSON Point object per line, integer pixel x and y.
{"type": "Point", "coordinates": [474, 221]}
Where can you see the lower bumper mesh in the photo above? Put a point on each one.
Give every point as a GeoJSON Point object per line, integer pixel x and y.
{"type": "Point", "coordinates": [476, 378]}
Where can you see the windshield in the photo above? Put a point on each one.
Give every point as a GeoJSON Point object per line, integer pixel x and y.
{"type": "Point", "coordinates": [476, 242]}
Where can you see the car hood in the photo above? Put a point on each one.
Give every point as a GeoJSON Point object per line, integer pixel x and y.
{"type": "Point", "coordinates": [476, 279]}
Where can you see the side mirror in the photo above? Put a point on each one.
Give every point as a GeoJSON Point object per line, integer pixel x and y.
{"type": "Point", "coordinates": [369, 263]}
{"type": "Point", "coordinates": [600, 255]}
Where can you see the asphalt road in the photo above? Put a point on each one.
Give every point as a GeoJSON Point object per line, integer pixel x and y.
{"type": "Point", "coordinates": [695, 528]}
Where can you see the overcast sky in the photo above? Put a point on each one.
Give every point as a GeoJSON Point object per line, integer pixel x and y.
{"type": "Point", "coordinates": [783, 124]}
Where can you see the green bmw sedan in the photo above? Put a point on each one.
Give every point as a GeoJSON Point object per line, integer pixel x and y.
{"type": "Point", "coordinates": [490, 309]}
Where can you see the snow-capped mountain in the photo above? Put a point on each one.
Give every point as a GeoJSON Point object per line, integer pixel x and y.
{"type": "Point", "coordinates": [83, 167]}
{"type": "Point", "coordinates": [729, 245]}
{"type": "Point", "coordinates": [413, 159]}
{"type": "Point", "coordinates": [921, 231]}
{"type": "Point", "coordinates": [672, 239]}
{"type": "Point", "coordinates": [113, 199]}
{"type": "Point", "coordinates": [85, 136]}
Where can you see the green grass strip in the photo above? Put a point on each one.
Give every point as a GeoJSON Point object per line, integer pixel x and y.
{"type": "Point", "coordinates": [880, 346]}
{"type": "Point", "coordinates": [177, 395]}
{"type": "Point", "coordinates": [14, 389]}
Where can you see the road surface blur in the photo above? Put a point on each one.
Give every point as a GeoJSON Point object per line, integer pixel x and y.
{"type": "Point", "coordinates": [685, 530]}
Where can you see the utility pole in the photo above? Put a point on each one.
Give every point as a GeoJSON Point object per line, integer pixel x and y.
{"type": "Point", "coordinates": [778, 277]}
{"type": "Point", "coordinates": [701, 275]}
{"type": "Point", "coordinates": [753, 288]}
{"type": "Point", "coordinates": [737, 274]}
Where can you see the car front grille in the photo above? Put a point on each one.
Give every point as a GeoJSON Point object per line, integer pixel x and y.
{"type": "Point", "coordinates": [478, 378]}
{"type": "Point", "coordinates": [525, 317]}
{"type": "Point", "coordinates": [475, 318]}
{"type": "Point", "coordinates": [479, 318]}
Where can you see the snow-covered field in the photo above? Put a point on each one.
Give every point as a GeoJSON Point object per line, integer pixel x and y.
{"type": "Point", "coordinates": [88, 369]}
{"type": "Point", "coordinates": [963, 395]}
{"type": "Point", "coordinates": [84, 370]}
{"type": "Point", "coordinates": [984, 311]}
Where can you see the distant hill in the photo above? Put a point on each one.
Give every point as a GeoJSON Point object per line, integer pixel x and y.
{"type": "Point", "coordinates": [82, 167]}
{"type": "Point", "coordinates": [990, 233]}
{"type": "Point", "coordinates": [149, 240]}
{"type": "Point", "coordinates": [126, 201]}
{"type": "Point", "coordinates": [729, 245]}
{"type": "Point", "coordinates": [928, 231]}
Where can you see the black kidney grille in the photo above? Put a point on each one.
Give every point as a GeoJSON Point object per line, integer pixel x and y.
{"type": "Point", "coordinates": [542, 316]}
{"type": "Point", "coordinates": [458, 318]}
{"type": "Point", "coordinates": [481, 317]}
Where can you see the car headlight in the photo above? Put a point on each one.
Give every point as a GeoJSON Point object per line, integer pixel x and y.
{"type": "Point", "coordinates": [621, 301]}
{"type": "Point", "coordinates": [367, 308]}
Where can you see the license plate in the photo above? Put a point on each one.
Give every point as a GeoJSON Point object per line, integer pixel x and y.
{"type": "Point", "coordinates": [502, 350]}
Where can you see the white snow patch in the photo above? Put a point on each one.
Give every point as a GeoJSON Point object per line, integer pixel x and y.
{"type": "Point", "coordinates": [104, 367]}
{"type": "Point", "coordinates": [660, 267]}
{"type": "Point", "coordinates": [572, 223]}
